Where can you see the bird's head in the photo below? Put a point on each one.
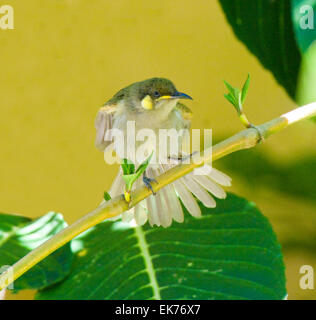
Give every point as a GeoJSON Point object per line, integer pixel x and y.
{"type": "Point", "coordinates": [153, 94]}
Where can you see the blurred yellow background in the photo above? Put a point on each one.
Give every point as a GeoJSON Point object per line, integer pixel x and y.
{"type": "Point", "coordinates": [65, 58]}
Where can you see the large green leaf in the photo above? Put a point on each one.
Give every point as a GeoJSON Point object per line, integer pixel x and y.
{"type": "Point", "coordinates": [265, 27]}
{"type": "Point", "coordinates": [230, 252]}
{"type": "Point", "coordinates": [19, 235]}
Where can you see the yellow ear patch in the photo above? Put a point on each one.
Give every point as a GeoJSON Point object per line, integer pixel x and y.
{"type": "Point", "coordinates": [147, 103]}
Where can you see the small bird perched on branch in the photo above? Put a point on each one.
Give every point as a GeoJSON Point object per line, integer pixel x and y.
{"type": "Point", "coordinates": [154, 104]}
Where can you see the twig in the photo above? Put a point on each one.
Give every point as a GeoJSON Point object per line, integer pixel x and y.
{"type": "Point", "coordinates": [242, 140]}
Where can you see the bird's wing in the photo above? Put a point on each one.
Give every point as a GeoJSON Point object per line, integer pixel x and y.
{"type": "Point", "coordinates": [185, 111]}
{"type": "Point", "coordinates": [103, 123]}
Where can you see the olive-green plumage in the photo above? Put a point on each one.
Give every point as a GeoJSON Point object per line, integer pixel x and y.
{"type": "Point", "coordinates": [139, 90]}
{"type": "Point", "coordinates": [152, 103]}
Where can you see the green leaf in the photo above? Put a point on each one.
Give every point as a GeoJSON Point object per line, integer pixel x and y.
{"type": "Point", "coordinates": [128, 167]}
{"type": "Point", "coordinates": [235, 96]}
{"type": "Point", "coordinates": [230, 99]}
{"type": "Point", "coordinates": [265, 27]}
{"type": "Point", "coordinates": [19, 235]}
{"type": "Point", "coordinates": [231, 89]}
{"type": "Point", "coordinates": [106, 196]}
{"type": "Point", "coordinates": [306, 92]}
{"type": "Point", "coordinates": [244, 90]}
{"type": "Point", "coordinates": [129, 180]}
{"type": "Point", "coordinates": [144, 165]}
{"type": "Point", "coordinates": [230, 252]}
{"type": "Point", "coordinates": [131, 176]}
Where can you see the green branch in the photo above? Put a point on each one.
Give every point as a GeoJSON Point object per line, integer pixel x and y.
{"type": "Point", "coordinates": [242, 140]}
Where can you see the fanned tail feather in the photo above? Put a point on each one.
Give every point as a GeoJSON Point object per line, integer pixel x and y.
{"type": "Point", "coordinates": [165, 206]}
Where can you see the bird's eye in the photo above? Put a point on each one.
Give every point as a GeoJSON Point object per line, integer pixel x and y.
{"type": "Point", "coordinates": [156, 94]}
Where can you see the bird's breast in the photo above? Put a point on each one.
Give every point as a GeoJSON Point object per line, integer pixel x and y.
{"type": "Point", "coordinates": [146, 132]}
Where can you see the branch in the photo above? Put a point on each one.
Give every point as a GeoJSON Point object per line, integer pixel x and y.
{"type": "Point", "coordinates": [242, 140]}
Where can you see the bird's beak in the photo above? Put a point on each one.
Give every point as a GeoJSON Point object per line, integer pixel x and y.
{"type": "Point", "coordinates": [177, 95]}
{"type": "Point", "coordinates": [181, 95]}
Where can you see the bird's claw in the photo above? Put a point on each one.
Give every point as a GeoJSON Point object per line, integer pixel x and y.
{"type": "Point", "coordinates": [147, 181]}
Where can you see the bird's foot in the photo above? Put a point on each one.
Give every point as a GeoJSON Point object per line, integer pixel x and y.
{"type": "Point", "coordinates": [148, 181]}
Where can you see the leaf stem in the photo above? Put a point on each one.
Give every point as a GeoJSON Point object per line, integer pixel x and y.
{"type": "Point", "coordinates": [244, 120]}
{"type": "Point", "coordinates": [243, 140]}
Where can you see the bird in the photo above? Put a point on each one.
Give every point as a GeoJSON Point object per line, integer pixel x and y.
{"type": "Point", "coordinates": [154, 104]}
